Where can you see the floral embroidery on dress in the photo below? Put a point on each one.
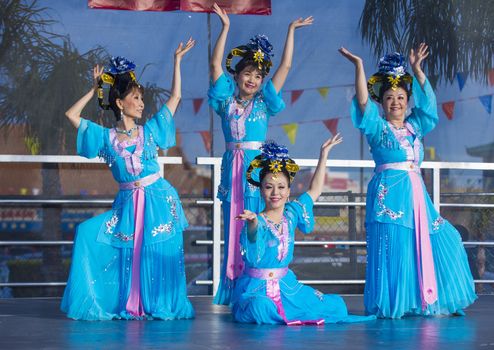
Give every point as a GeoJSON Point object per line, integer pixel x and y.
{"type": "Point", "coordinates": [381, 195]}
{"type": "Point", "coordinates": [319, 294]}
{"type": "Point", "coordinates": [222, 191]}
{"type": "Point", "coordinates": [106, 156]}
{"type": "Point", "coordinates": [305, 214]}
{"type": "Point", "coordinates": [162, 228]}
{"type": "Point", "coordinates": [124, 237]}
{"type": "Point", "coordinates": [110, 224]}
{"type": "Point", "coordinates": [437, 223]}
{"type": "Point", "coordinates": [259, 111]}
{"type": "Point", "coordinates": [173, 207]}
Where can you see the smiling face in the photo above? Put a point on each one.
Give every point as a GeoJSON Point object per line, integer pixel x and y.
{"type": "Point", "coordinates": [275, 190]}
{"type": "Point", "coordinates": [395, 104]}
{"type": "Point", "coordinates": [249, 81]}
{"type": "Point", "coordinates": [132, 105]}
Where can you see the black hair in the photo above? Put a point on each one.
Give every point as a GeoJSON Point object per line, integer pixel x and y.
{"type": "Point", "coordinates": [124, 84]}
{"type": "Point", "coordinates": [248, 61]}
{"type": "Point", "coordinates": [386, 85]}
{"type": "Point", "coordinates": [264, 171]}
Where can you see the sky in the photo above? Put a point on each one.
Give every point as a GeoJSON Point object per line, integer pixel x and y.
{"type": "Point", "coordinates": [151, 38]}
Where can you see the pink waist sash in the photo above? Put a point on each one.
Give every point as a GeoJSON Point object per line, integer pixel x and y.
{"type": "Point", "coordinates": [142, 182]}
{"type": "Point", "coordinates": [273, 292]}
{"type": "Point", "coordinates": [252, 145]}
{"type": "Point", "coordinates": [425, 260]}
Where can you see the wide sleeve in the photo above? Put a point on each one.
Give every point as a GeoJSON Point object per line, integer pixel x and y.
{"type": "Point", "coordinates": [162, 127]}
{"type": "Point", "coordinates": [90, 138]}
{"type": "Point", "coordinates": [219, 92]}
{"type": "Point", "coordinates": [253, 251]}
{"type": "Point", "coordinates": [370, 123]}
{"type": "Point", "coordinates": [274, 101]}
{"type": "Point", "coordinates": [424, 115]}
{"type": "Point", "coordinates": [301, 211]}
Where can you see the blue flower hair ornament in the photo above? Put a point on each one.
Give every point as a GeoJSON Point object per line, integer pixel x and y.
{"type": "Point", "coordinates": [119, 68]}
{"type": "Point", "coordinates": [259, 50]}
{"type": "Point", "coordinates": [392, 71]}
{"type": "Point", "coordinates": [274, 158]}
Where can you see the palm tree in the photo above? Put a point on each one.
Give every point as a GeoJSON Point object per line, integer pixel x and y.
{"type": "Point", "coordinates": [459, 33]}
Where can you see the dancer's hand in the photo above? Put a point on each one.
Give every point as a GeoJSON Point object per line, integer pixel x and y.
{"type": "Point", "coordinates": [356, 60]}
{"type": "Point", "coordinates": [183, 49]}
{"type": "Point", "coordinates": [248, 216]}
{"type": "Point", "coordinates": [330, 143]}
{"type": "Point", "coordinates": [417, 56]}
{"type": "Point", "coordinates": [222, 15]}
{"type": "Point", "coordinates": [301, 22]}
{"type": "Point", "coordinates": [97, 72]}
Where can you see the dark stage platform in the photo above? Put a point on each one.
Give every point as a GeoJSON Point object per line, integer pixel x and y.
{"type": "Point", "coordinates": [38, 324]}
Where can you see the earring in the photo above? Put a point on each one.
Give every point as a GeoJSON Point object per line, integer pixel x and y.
{"type": "Point", "coordinates": [121, 114]}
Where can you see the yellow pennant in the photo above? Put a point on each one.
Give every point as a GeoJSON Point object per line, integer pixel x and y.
{"type": "Point", "coordinates": [323, 91]}
{"type": "Point", "coordinates": [291, 131]}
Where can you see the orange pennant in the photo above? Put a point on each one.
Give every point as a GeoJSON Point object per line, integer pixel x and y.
{"type": "Point", "coordinates": [197, 102]}
{"type": "Point", "coordinates": [449, 108]}
{"type": "Point", "coordinates": [296, 95]}
{"type": "Point", "coordinates": [332, 125]}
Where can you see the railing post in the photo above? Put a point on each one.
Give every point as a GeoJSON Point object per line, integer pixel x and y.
{"type": "Point", "coordinates": [216, 228]}
{"type": "Point", "coordinates": [436, 188]}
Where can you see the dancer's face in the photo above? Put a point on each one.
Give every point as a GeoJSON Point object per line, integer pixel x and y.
{"type": "Point", "coordinates": [132, 105]}
{"type": "Point", "coordinates": [249, 81]}
{"type": "Point", "coordinates": [395, 104]}
{"type": "Point", "coordinates": [275, 190]}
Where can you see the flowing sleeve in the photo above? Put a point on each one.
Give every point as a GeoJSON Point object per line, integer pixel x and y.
{"type": "Point", "coordinates": [254, 251]}
{"type": "Point", "coordinates": [90, 138]}
{"type": "Point", "coordinates": [274, 101]}
{"type": "Point", "coordinates": [301, 210]}
{"type": "Point", "coordinates": [424, 115]}
{"type": "Point", "coordinates": [219, 92]}
{"type": "Point", "coordinates": [162, 127]}
{"type": "Point", "coordinates": [370, 123]}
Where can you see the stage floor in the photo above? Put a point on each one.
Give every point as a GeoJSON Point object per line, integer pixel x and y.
{"type": "Point", "coordinates": [38, 324]}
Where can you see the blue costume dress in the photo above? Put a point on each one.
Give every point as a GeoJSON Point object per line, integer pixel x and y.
{"type": "Point", "coordinates": [129, 262]}
{"type": "Point", "coordinates": [268, 291]}
{"type": "Point", "coordinates": [416, 263]}
{"type": "Point", "coordinates": [244, 131]}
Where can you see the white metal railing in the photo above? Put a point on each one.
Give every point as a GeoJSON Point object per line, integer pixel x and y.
{"type": "Point", "coordinates": [216, 242]}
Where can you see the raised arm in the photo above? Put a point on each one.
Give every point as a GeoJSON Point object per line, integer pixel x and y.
{"type": "Point", "coordinates": [219, 48]}
{"type": "Point", "coordinates": [74, 112]}
{"type": "Point", "coordinates": [317, 181]}
{"type": "Point", "coordinates": [360, 81]}
{"type": "Point", "coordinates": [281, 73]}
{"type": "Point", "coordinates": [176, 93]}
{"type": "Point", "coordinates": [416, 58]}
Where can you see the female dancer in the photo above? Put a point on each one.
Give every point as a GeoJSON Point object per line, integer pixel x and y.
{"type": "Point", "coordinates": [416, 263]}
{"type": "Point", "coordinates": [244, 119]}
{"type": "Point", "coordinates": [268, 291]}
{"type": "Point", "coordinates": [128, 262]}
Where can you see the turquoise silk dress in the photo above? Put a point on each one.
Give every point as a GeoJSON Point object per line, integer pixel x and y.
{"type": "Point", "coordinates": [244, 130]}
{"type": "Point", "coordinates": [416, 263]}
{"type": "Point", "coordinates": [128, 263]}
{"type": "Point", "coordinates": [268, 292]}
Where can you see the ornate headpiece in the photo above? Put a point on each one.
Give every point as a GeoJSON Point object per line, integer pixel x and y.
{"type": "Point", "coordinates": [392, 71]}
{"type": "Point", "coordinates": [274, 158]}
{"type": "Point", "coordinates": [258, 50]}
{"type": "Point", "coordinates": [118, 67]}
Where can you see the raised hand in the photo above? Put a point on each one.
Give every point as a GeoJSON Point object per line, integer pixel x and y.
{"type": "Point", "coordinates": [97, 71]}
{"type": "Point", "coordinates": [330, 143]}
{"type": "Point", "coordinates": [183, 49]}
{"type": "Point", "coordinates": [221, 14]}
{"type": "Point", "coordinates": [418, 55]}
{"type": "Point", "coordinates": [301, 22]}
{"type": "Point", "coordinates": [350, 56]}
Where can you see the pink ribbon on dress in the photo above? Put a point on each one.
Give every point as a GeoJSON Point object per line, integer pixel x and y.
{"type": "Point", "coordinates": [134, 303]}
{"type": "Point", "coordinates": [273, 292]}
{"type": "Point", "coordinates": [235, 265]}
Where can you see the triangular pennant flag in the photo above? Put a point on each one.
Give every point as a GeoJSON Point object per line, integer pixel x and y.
{"type": "Point", "coordinates": [462, 79]}
{"type": "Point", "coordinates": [332, 125]}
{"type": "Point", "coordinates": [486, 102]}
{"type": "Point", "coordinates": [206, 138]}
{"type": "Point", "coordinates": [448, 108]}
{"type": "Point", "coordinates": [491, 77]}
{"type": "Point", "coordinates": [295, 95]}
{"type": "Point", "coordinates": [291, 131]}
{"type": "Point", "coordinates": [323, 91]}
{"type": "Point", "coordinates": [197, 102]}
